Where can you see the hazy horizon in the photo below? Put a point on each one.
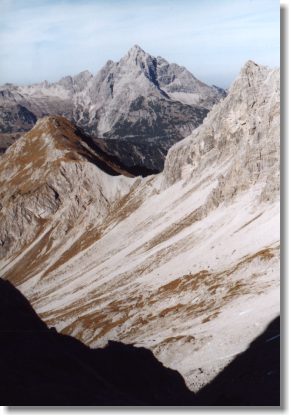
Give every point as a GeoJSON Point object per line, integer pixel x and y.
{"type": "Point", "coordinates": [46, 40]}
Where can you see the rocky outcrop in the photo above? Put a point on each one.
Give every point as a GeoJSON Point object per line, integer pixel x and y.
{"type": "Point", "coordinates": [185, 263]}
{"type": "Point", "coordinates": [139, 106]}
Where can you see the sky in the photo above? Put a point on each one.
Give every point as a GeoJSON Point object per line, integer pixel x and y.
{"type": "Point", "coordinates": [48, 39]}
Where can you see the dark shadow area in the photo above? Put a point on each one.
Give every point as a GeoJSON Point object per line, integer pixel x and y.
{"type": "Point", "coordinates": [111, 163]}
{"type": "Point", "coordinates": [39, 367]}
{"type": "Point", "coordinates": [252, 378]}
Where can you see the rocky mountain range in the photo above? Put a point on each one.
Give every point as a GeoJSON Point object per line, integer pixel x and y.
{"type": "Point", "coordinates": [185, 262]}
{"type": "Point", "coordinates": [135, 108]}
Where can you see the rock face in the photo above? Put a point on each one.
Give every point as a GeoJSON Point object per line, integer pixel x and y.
{"type": "Point", "coordinates": [240, 132]}
{"type": "Point", "coordinates": [139, 106]}
{"type": "Point", "coordinates": [185, 263]}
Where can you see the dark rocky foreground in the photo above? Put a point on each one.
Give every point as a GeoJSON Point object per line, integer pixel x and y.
{"type": "Point", "coordinates": [38, 367]}
{"type": "Point", "coordinates": [252, 378]}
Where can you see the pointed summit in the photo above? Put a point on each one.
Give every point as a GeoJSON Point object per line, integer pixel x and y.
{"type": "Point", "coordinates": [137, 55]}
{"type": "Point", "coordinates": [250, 64]}
{"type": "Point", "coordinates": [136, 49]}
{"type": "Point", "coordinates": [250, 67]}
{"type": "Point", "coordinates": [250, 76]}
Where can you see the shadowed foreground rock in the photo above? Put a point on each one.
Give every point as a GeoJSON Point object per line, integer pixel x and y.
{"type": "Point", "coordinates": [38, 366]}
{"type": "Point", "coordinates": [41, 367]}
{"type": "Point", "coordinates": [252, 378]}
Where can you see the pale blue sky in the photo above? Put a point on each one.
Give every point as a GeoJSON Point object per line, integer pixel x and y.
{"type": "Point", "coordinates": [48, 39]}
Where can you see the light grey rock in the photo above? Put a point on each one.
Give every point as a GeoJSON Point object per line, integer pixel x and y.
{"type": "Point", "coordinates": [241, 134]}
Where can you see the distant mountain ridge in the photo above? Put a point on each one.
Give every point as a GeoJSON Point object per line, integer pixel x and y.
{"type": "Point", "coordinates": [138, 107]}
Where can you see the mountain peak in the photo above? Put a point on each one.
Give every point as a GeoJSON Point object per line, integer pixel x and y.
{"type": "Point", "coordinates": [250, 66]}
{"type": "Point", "coordinates": [250, 63]}
{"type": "Point", "coordinates": [136, 48]}
{"type": "Point", "coordinates": [116, 102]}
{"type": "Point", "coordinates": [251, 76]}
{"type": "Point", "coordinates": [136, 51]}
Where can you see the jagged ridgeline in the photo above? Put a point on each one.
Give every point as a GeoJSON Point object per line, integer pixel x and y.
{"type": "Point", "coordinates": [135, 108]}
{"type": "Point", "coordinates": [184, 263]}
